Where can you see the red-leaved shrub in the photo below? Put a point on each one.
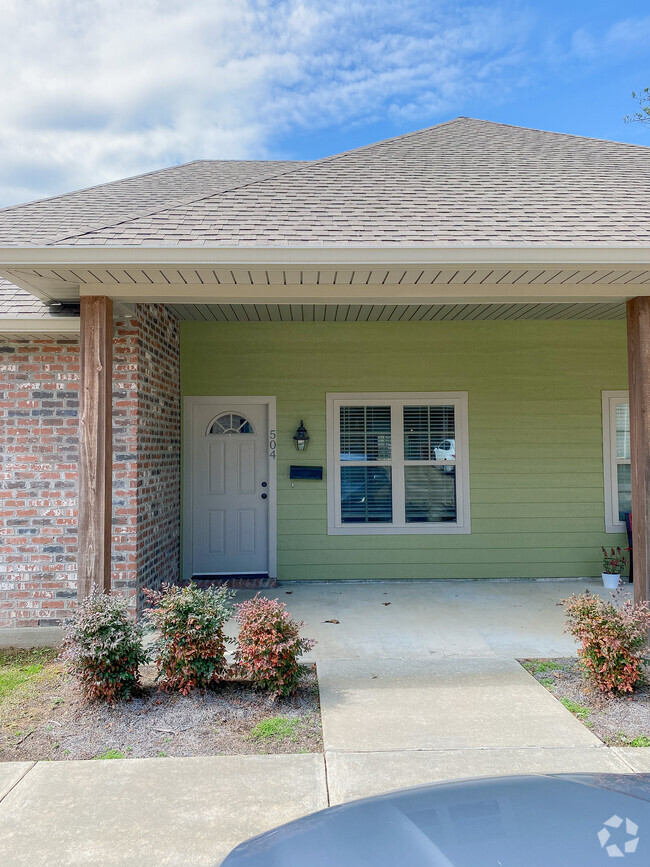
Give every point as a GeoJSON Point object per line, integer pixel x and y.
{"type": "Point", "coordinates": [190, 646]}
{"type": "Point", "coordinates": [104, 647]}
{"type": "Point", "coordinates": [612, 639]}
{"type": "Point", "coordinates": [269, 645]}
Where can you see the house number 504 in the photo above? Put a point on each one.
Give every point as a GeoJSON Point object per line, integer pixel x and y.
{"type": "Point", "coordinates": [272, 444]}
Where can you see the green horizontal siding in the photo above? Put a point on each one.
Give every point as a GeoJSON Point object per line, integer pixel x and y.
{"type": "Point", "coordinates": [536, 467]}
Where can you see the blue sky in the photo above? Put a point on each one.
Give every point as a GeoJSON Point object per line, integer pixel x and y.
{"type": "Point", "coordinates": [93, 90]}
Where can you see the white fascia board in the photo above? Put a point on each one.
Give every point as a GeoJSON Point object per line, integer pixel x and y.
{"type": "Point", "coordinates": [396, 255]}
{"type": "Point", "coordinates": [40, 325]}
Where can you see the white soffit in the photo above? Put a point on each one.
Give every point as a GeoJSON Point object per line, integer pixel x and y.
{"type": "Point", "coordinates": [320, 284]}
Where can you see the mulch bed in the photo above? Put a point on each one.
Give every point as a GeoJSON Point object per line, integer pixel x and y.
{"type": "Point", "coordinates": [616, 720]}
{"type": "Point", "coordinates": [47, 718]}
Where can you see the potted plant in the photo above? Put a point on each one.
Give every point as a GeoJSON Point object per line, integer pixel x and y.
{"type": "Point", "coordinates": [614, 561]}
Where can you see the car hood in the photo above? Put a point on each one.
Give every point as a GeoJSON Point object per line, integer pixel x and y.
{"type": "Point", "coordinates": [580, 820]}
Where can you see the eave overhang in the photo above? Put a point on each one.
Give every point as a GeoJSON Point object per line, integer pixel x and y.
{"type": "Point", "coordinates": [333, 274]}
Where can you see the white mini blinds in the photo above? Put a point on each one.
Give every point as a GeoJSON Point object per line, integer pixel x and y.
{"type": "Point", "coordinates": [398, 463]}
{"type": "Point", "coordinates": [616, 459]}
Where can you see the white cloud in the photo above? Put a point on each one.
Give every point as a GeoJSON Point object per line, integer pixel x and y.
{"type": "Point", "coordinates": [91, 90]}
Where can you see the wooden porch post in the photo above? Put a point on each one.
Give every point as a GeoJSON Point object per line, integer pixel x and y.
{"type": "Point", "coordinates": [638, 356]}
{"type": "Point", "coordinates": [95, 445]}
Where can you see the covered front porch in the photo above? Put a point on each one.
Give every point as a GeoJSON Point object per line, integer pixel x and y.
{"type": "Point", "coordinates": [519, 360]}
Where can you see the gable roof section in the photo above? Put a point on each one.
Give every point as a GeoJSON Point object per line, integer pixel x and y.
{"type": "Point", "coordinates": [73, 214]}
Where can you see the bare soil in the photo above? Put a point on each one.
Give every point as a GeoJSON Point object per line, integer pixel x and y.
{"type": "Point", "coordinates": [616, 720]}
{"type": "Point", "coordinates": [47, 718]}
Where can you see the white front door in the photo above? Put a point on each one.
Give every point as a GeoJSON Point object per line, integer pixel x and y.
{"type": "Point", "coordinates": [230, 488]}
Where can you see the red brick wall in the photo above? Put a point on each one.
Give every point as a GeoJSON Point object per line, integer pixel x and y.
{"type": "Point", "coordinates": [39, 383]}
{"type": "Point", "coordinates": [159, 448]}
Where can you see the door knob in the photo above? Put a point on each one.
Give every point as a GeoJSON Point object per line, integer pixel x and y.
{"type": "Point", "coordinates": [264, 496]}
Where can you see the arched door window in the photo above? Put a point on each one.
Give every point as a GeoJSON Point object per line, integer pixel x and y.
{"type": "Point", "coordinates": [230, 423]}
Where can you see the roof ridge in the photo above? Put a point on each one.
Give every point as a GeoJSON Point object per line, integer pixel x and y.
{"type": "Point", "coordinates": [303, 164]}
{"type": "Point", "coordinates": [554, 132]}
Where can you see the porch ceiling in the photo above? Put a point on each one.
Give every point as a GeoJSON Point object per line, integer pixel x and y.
{"type": "Point", "coordinates": [392, 312]}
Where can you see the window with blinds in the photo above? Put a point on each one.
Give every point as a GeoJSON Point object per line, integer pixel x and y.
{"type": "Point", "coordinates": [398, 463]}
{"type": "Point", "coordinates": [616, 459]}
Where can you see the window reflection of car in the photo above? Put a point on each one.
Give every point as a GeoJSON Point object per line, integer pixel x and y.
{"type": "Point", "coordinates": [366, 493]}
{"type": "Point", "coordinates": [445, 451]}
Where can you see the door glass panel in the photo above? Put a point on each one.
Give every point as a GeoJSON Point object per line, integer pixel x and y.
{"type": "Point", "coordinates": [430, 494]}
{"type": "Point", "coordinates": [366, 495]}
{"type": "Point", "coordinates": [365, 433]}
{"type": "Point", "coordinates": [623, 431]}
{"type": "Point", "coordinates": [429, 433]}
{"type": "Point", "coordinates": [624, 490]}
{"type": "Point", "coordinates": [231, 423]}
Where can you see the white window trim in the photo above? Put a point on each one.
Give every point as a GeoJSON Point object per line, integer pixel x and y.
{"type": "Point", "coordinates": [610, 399]}
{"type": "Point", "coordinates": [457, 399]}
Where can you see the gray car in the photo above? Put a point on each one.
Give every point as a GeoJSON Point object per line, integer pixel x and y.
{"type": "Point", "coordinates": [577, 820]}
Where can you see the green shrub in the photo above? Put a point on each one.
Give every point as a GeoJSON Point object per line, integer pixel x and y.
{"type": "Point", "coordinates": [269, 645]}
{"type": "Point", "coordinates": [190, 648]}
{"type": "Point", "coordinates": [612, 639]}
{"type": "Point", "coordinates": [104, 647]}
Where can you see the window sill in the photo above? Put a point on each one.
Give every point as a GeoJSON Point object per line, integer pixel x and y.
{"type": "Point", "coordinates": [415, 530]}
{"type": "Point", "coordinates": [616, 528]}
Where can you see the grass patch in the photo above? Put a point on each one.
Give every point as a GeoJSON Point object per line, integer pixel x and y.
{"type": "Point", "coordinates": [21, 666]}
{"type": "Point", "coordinates": [576, 709]}
{"type": "Point", "coordinates": [623, 740]}
{"type": "Point", "coordinates": [547, 681]}
{"type": "Point", "coordinates": [279, 727]}
{"type": "Point", "coordinates": [14, 676]}
{"type": "Point", "coordinates": [537, 666]}
{"type": "Point", "coordinates": [110, 754]}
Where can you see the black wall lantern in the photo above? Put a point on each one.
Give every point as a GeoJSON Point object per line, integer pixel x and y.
{"type": "Point", "coordinates": [301, 437]}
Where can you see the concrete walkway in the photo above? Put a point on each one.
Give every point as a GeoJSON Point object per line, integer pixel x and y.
{"type": "Point", "coordinates": [423, 689]}
{"type": "Point", "coordinates": [394, 723]}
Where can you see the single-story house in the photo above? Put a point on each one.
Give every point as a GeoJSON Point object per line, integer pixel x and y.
{"type": "Point", "coordinates": [407, 361]}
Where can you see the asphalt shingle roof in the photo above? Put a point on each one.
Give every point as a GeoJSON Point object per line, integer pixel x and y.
{"type": "Point", "coordinates": [72, 214]}
{"type": "Point", "coordinates": [15, 303]}
{"type": "Point", "coordinates": [464, 182]}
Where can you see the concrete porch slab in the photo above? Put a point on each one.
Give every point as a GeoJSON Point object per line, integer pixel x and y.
{"type": "Point", "coordinates": [153, 811]}
{"type": "Point", "coordinates": [429, 704]}
{"type": "Point", "coordinates": [432, 618]}
{"type": "Point", "coordinates": [361, 775]}
{"type": "Point", "coordinates": [638, 758]}
{"type": "Point", "coordinates": [10, 774]}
